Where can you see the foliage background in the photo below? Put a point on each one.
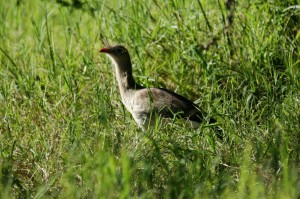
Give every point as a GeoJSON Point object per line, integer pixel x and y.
{"type": "Point", "coordinates": [65, 134]}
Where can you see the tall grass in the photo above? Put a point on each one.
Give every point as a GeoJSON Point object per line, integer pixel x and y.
{"type": "Point", "coordinates": [64, 132]}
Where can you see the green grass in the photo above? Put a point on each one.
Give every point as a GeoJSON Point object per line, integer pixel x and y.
{"type": "Point", "coordinates": [65, 134]}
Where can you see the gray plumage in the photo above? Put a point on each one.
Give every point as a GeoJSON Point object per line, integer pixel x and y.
{"type": "Point", "coordinates": [145, 103]}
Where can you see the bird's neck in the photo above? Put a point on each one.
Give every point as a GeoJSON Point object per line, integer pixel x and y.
{"type": "Point", "coordinates": [124, 77]}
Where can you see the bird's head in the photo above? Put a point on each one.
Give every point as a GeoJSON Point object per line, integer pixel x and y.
{"type": "Point", "coordinates": [118, 54]}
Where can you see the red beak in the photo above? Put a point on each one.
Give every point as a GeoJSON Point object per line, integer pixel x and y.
{"type": "Point", "coordinates": [104, 50]}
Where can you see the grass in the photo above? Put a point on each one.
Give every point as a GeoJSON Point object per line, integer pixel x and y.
{"type": "Point", "coordinates": [65, 134]}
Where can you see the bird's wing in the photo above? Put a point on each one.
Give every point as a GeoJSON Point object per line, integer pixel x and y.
{"type": "Point", "coordinates": [169, 104]}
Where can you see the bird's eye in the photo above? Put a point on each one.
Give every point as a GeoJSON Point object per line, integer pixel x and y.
{"type": "Point", "coordinates": [120, 51]}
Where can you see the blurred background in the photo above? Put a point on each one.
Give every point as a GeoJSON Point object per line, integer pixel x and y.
{"type": "Point", "coordinates": [64, 132]}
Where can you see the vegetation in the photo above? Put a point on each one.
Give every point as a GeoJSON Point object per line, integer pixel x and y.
{"type": "Point", "coordinates": [65, 134]}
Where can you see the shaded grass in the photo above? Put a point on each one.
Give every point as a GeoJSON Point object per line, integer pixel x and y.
{"type": "Point", "coordinates": [64, 132]}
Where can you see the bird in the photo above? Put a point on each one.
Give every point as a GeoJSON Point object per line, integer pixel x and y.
{"type": "Point", "coordinates": [144, 103]}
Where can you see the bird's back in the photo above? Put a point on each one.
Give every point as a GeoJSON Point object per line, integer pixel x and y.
{"type": "Point", "coordinates": [167, 104]}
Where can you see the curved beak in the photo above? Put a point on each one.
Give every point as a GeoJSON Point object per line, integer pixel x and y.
{"type": "Point", "coordinates": [104, 50]}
